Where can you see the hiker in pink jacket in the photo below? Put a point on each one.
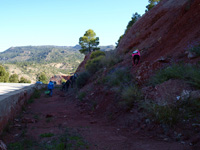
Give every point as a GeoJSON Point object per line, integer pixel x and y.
{"type": "Point", "coordinates": [136, 57]}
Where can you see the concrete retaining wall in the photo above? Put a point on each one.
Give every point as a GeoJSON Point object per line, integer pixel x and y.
{"type": "Point", "coordinates": [12, 102]}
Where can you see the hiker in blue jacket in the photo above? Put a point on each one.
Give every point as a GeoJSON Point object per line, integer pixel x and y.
{"type": "Point", "coordinates": [51, 87]}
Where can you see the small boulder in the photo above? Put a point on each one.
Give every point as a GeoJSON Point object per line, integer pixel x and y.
{"type": "Point", "coordinates": [3, 145]}
{"type": "Point", "coordinates": [185, 95]}
{"type": "Point", "coordinates": [195, 94]}
{"type": "Point", "coordinates": [192, 55]}
{"type": "Point", "coordinates": [163, 60]}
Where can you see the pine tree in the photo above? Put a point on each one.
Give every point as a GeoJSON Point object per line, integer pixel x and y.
{"type": "Point", "coordinates": [4, 76]}
{"type": "Point", "coordinates": [89, 42]}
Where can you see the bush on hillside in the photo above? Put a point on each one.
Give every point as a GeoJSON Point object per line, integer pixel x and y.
{"type": "Point", "coordinates": [130, 95]}
{"type": "Point", "coordinates": [125, 86]}
{"type": "Point", "coordinates": [24, 80]}
{"type": "Point", "coordinates": [164, 114]}
{"type": "Point", "coordinates": [111, 58]}
{"type": "Point", "coordinates": [175, 71]}
{"type": "Point", "coordinates": [94, 64]}
{"type": "Point", "coordinates": [82, 79]}
{"type": "Point", "coordinates": [189, 73]}
{"type": "Point", "coordinates": [36, 94]}
{"type": "Point", "coordinates": [81, 95]}
{"type": "Point", "coordinates": [134, 19]}
{"type": "Point", "coordinates": [14, 78]}
{"type": "Point", "coordinates": [4, 75]}
{"type": "Point", "coordinates": [96, 54]}
{"type": "Point", "coordinates": [187, 109]}
{"type": "Point", "coordinates": [118, 77]}
{"type": "Point", "coordinates": [195, 49]}
{"type": "Point", "coordinates": [151, 4]}
{"type": "Point", "coordinates": [43, 78]}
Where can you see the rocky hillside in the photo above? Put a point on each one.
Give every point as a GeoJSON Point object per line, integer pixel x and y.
{"type": "Point", "coordinates": [160, 96]}
{"type": "Point", "coordinates": [40, 54]}
{"type": "Point", "coordinates": [165, 33]}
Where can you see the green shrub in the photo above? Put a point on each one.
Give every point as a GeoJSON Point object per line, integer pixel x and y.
{"type": "Point", "coordinates": [130, 95]}
{"type": "Point", "coordinates": [67, 140]}
{"type": "Point", "coordinates": [119, 76]}
{"type": "Point", "coordinates": [4, 75]}
{"type": "Point", "coordinates": [16, 146]}
{"type": "Point", "coordinates": [61, 146]}
{"type": "Point", "coordinates": [21, 145]}
{"type": "Point", "coordinates": [24, 80]}
{"type": "Point", "coordinates": [190, 108]}
{"type": "Point", "coordinates": [82, 79]}
{"type": "Point", "coordinates": [36, 94]}
{"type": "Point", "coordinates": [163, 114]}
{"type": "Point", "coordinates": [43, 78]}
{"type": "Point", "coordinates": [14, 78]}
{"type": "Point", "coordinates": [174, 71]}
{"type": "Point", "coordinates": [111, 59]}
{"type": "Point", "coordinates": [192, 75]}
{"type": "Point", "coordinates": [31, 100]}
{"type": "Point", "coordinates": [124, 85]}
{"type": "Point", "coordinates": [81, 95]}
{"type": "Point", "coordinates": [195, 49]}
{"type": "Point", "coordinates": [96, 54]}
{"type": "Point", "coordinates": [172, 114]}
{"type": "Point", "coordinates": [189, 73]}
{"type": "Point", "coordinates": [46, 135]}
{"type": "Point", "coordinates": [94, 64]}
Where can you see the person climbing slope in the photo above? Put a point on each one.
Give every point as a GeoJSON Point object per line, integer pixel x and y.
{"type": "Point", "coordinates": [50, 87]}
{"type": "Point", "coordinates": [136, 57]}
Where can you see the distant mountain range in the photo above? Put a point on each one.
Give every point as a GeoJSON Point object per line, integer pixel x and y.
{"type": "Point", "coordinates": [42, 54]}
{"type": "Point", "coordinates": [30, 61]}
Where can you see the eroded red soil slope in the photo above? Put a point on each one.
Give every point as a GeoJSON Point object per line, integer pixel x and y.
{"type": "Point", "coordinates": [163, 33]}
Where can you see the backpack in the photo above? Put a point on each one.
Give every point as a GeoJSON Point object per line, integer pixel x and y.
{"type": "Point", "coordinates": [50, 85]}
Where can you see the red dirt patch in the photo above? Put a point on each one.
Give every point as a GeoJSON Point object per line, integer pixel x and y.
{"type": "Point", "coordinates": [54, 114]}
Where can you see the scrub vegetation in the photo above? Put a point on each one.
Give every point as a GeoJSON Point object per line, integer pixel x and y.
{"type": "Point", "coordinates": [187, 72]}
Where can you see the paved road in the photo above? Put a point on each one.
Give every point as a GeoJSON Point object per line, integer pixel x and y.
{"type": "Point", "coordinates": [9, 88]}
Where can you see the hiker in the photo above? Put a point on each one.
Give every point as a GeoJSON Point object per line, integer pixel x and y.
{"type": "Point", "coordinates": [73, 79]}
{"type": "Point", "coordinates": [65, 85]}
{"type": "Point", "coordinates": [136, 57]}
{"type": "Point", "coordinates": [50, 87]}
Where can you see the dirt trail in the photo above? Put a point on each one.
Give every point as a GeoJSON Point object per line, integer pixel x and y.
{"type": "Point", "coordinates": [56, 114]}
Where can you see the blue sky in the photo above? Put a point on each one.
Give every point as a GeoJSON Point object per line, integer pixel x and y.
{"type": "Point", "coordinates": [63, 22]}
